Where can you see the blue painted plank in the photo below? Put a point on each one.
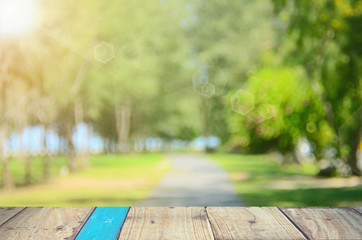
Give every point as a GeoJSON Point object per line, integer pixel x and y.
{"type": "Point", "coordinates": [104, 224]}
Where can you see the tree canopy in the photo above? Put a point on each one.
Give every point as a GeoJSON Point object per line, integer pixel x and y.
{"type": "Point", "coordinates": [258, 75]}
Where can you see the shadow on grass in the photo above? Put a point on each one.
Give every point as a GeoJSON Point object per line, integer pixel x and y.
{"type": "Point", "coordinates": [306, 197]}
{"type": "Point", "coordinates": [263, 170]}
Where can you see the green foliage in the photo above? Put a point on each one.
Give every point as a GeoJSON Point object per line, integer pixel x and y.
{"type": "Point", "coordinates": [226, 39]}
{"type": "Point", "coordinates": [323, 38]}
{"type": "Point", "coordinates": [147, 70]}
{"type": "Point", "coordinates": [283, 110]}
{"type": "Point", "coordinates": [256, 78]}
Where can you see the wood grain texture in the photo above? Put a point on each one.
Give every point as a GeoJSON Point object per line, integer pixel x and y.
{"type": "Point", "coordinates": [44, 223]}
{"type": "Point", "coordinates": [105, 223]}
{"type": "Point", "coordinates": [77, 229]}
{"type": "Point", "coordinates": [251, 223]}
{"type": "Point", "coordinates": [176, 223]}
{"type": "Point", "coordinates": [8, 212]}
{"type": "Point", "coordinates": [327, 223]}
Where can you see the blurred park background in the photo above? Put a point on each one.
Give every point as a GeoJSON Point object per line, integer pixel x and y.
{"type": "Point", "coordinates": [95, 94]}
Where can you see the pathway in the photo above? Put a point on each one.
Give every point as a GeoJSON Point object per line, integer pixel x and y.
{"type": "Point", "coordinates": [194, 181]}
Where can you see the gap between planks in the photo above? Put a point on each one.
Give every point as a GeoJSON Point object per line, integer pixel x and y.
{"type": "Point", "coordinates": [7, 213]}
{"type": "Point", "coordinates": [209, 223]}
{"type": "Point", "coordinates": [44, 223]}
{"type": "Point", "coordinates": [80, 227]}
{"type": "Point", "coordinates": [295, 225]}
{"type": "Point", "coordinates": [251, 223]}
{"type": "Point", "coordinates": [327, 222]}
{"type": "Point", "coordinates": [358, 209]}
{"type": "Point", "coordinates": [191, 223]}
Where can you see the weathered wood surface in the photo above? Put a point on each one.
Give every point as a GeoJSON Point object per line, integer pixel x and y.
{"type": "Point", "coordinates": [44, 223]}
{"type": "Point", "coordinates": [251, 223]}
{"type": "Point", "coordinates": [176, 223]}
{"type": "Point", "coordinates": [150, 223]}
{"type": "Point", "coordinates": [327, 223]}
{"type": "Point", "coordinates": [358, 209]}
{"type": "Point", "coordinates": [7, 213]}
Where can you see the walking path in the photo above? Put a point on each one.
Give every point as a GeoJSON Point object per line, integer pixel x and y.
{"type": "Point", "coordinates": [194, 181]}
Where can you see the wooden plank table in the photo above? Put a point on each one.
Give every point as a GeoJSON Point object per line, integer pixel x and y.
{"type": "Point", "coordinates": [119, 223]}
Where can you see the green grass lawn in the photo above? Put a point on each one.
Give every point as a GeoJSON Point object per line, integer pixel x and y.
{"type": "Point", "coordinates": [17, 169]}
{"type": "Point", "coordinates": [111, 180]}
{"type": "Point", "coordinates": [263, 182]}
{"type": "Point", "coordinates": [116, 180]}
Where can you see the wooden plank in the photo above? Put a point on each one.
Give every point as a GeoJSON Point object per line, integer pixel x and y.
{"type": "Point", "coordinates": [8, 212]}
{"type": "Point", "coordinates": [251, 223]}
{"type": "Point", "coordinates": [44, 223]}
{"type": "Point", "coordinates": [327, 223]}
{"type": "Point", "coordinates": [82, 223]}
{"type": "Point", "coordinates": [358, 209]}
{"type": "Point", "coordinates": [166, 223]}
{"type": "Point", "coordinates": [104, 223]}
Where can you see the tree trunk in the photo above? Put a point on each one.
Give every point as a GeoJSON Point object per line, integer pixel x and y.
{"type": "Point", "coordinates": [7, 179]}
{"type": "Point", "coordinates": [70, 147]}
{"type": "Point", "coordinates": [105, 146]}
{"type": "Point", "coordinates": [63, 146]}
{"type": "Point", "coordinates": [144, 145]}
{"type": "Point", "coordinates": [89, 138]}
{"type": "Point", "coordinates": [46, 157]}
{"type": "Point", "coordinates": [355, 135]}
{"type": "Point", "coordinates": [22, 153]}
{"type": "Point", "coordinates": [78, 113]}
{"type": "Point", "coordinates": [206, 126]}
{"type": "Point", "coordinates": [27, 176]}
{"type": "Point", "coordinates": [352, 158]}
{"type": "Point", "coordinates": [85, 148]}
{"type": "Point", "coordinates": [123, 122]}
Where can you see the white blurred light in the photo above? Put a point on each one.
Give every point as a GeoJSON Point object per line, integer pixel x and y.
{"type": "Point", "coordinates": [305, 148]}
{"type": "Point", "coordinates": [17, 16]}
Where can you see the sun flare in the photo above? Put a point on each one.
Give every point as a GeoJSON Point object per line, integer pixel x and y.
{"type": "Point", "coordinates": [17, 17]}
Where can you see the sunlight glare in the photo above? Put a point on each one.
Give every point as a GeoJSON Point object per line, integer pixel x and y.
{"type": "Point", "coordinates": [17, 17]}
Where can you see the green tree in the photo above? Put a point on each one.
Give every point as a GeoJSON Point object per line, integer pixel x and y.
{"type": "Point", "coordinates": [145, 63]}
{"type": "Point", "coordinates": [227, 39]}
{"type": "Point", "coordinates": [274, 109]}
{"type": "Point", "coordinates": [324, 38]}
